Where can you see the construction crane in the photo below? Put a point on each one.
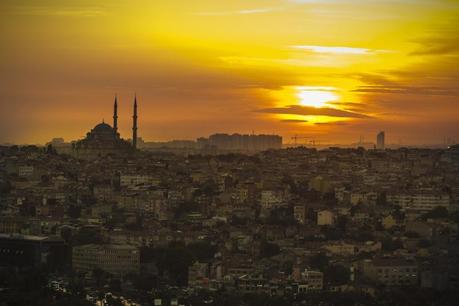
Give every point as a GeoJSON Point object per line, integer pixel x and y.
{"type": "Point", "coordinates": [296, 137]}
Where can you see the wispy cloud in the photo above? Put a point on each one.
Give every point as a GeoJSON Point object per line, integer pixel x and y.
{"type": "Point", "coordinates": [409, 90]}
{"type": "Point", "coordinates": [294, 121]}
{"type": "Point", "coordinates": [62, 11]}
{"type": "Point", "coordinates": [313, 111]}
{"type": "Point", "coordinates": [368, 1]}
{"type": "Point", "coordinates": [350, 106]}
{"type": "Point", "coordinates": [237, 12]}
{"type": "Point", "coordinates": [337, 50]}
{"type": "Point", "coordinates": [331, 123]}
{"type": "Point", "coordinates": [447, 45]}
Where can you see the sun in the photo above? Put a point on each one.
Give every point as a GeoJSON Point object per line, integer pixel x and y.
{"type": "Point", "coordinates": [315, 97]}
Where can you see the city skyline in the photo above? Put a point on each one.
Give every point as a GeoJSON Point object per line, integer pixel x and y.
{"type": "Point", "coordinates": [331, 71]}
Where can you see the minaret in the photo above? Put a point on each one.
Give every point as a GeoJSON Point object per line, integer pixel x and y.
{"type": "Point", "coordinates": [115, 116]}
{"type": "Point", "coordinates": [134, 125]}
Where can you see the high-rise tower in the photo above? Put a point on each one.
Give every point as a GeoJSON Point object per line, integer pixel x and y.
{"type": "Point", "coordinates": [380, 141]}
{"type": "Point", "coordinates": [134, 124]}
{"type": "Point", "coordinates": [115, 115]}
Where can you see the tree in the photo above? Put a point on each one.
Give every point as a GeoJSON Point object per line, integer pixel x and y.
{"type": "Point", "coordinates": [288, 180]}
{"type": "Point", "coordinates": [319, 261]}
{"type": "Point", "coordinates": [332, 233]}
{"type": "Point", "coordinates": [208, 188]}
{"type": "Point", "coordinates": [87, 235]}
{"type": "Point", "coordinates": [236, 220]}
{"type": "Point", "coordinates": [99, 276]}
{"type": "Point", "coordinates": [281, 216]}
{"type": "Point", "coordinates": [66, 233]}
{"type": "Point", "coordinates": [144, 281]}
{"type": "Point", "coordinates": [74, 211]}
{"type": "Point", "coordinates": [268, 249]}
{"type": "Point", "coordinates": [5, 187]}
{"type": "Point", "coordinates": [114, 285]}
{"type": "Point", "coordinates": [341, 223]}
{"type": "Point", "coordinates": [30, 149]}
{"type": "Point", "coordinates": [287, 267]}
{"type": "Point", "coordinates": [436, 213]}
{"type": "Point", "coordinates": [113, 301]}
{"type": "Point", "coordinates": [137, 225]}
{"type": "Point", "coordinates": [71, 301]}
{"type": "Point", "coordinates": [185, 208]}
{"type": "Point", "coordinates": [391, 245]}
{"type": "Point", "coordinates": [329, 199]}
{"type": "Point", "coordinates": [381, 199]}
{"type": "Point", "coordinates": [51, 150]}
{"type": "Point", "coordinates": [412, 234]}
{"type": "Point", "coordinates": [364, 235]}
{"type": "Point", "coordinates": [336, 275]}
{"type": "Point", "coordinates": [202, 250]}
{"type": "Point", "coordinates": [424, 243]}
{"type": "Point", "coordinates": [172, 262]}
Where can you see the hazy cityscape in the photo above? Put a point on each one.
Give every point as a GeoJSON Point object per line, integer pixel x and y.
{"type": "Point", "coordinates": [226, 220]}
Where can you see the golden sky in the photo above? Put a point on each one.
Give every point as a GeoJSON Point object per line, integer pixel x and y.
{"type": "Point", "coordinates": [332, 70]}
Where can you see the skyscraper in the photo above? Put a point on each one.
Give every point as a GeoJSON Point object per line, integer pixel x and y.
{"type": "Point", "coordinates": [134, 124]}
{"type": "Point", "coordinates": [115, 116]}
{"type": "Point", "coordinates": [380, 139]}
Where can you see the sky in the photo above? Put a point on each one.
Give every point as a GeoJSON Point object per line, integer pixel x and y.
{"type": "Point", "coordinates": [333, 71]}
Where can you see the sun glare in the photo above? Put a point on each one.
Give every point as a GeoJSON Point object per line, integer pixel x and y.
{"type": "Point", "coordinates": [315, 97]}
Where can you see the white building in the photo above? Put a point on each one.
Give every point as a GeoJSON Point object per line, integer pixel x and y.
{"type": "Point", "coordinates": [363, 197]}
{"type": "Point", "coordinates": [25, 171]}
{"type": "Point", "coordinates": [311, 280]}
{"type": "Point", "coordinates": [271, 199]}
{"type": "Point", "coordinates": [133, 180]}
{"type": "Point", "coordinates": [325, 217]}
{"type": "Point", "coordinates": [299, 212]}
{"type": "Point", "coordinates": [116, 259]}
{"type": "Point", "coordinates": [420, 201]}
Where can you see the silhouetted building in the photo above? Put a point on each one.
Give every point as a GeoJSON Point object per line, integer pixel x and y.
{"type": "Point", "coordinates": [104, 140]}
{"type": "Point", "coordinates": [380, 141]}
{"type": "Point", "coordinates": [245, 143]}
{"type": "Point", "coordinates": [18, 250]}
{"type": "Point", "coordinates": [451, 155]}
{"type": "Point", "coordinates": [60, 145]}
{"type": "Point", "coordinates": [134, 124]}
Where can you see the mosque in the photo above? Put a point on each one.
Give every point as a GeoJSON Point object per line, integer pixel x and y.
{"type": "Point", "coordinates": [105, 140]}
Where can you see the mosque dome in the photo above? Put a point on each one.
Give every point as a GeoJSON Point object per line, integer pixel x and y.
{"type": "Point", "coordinates": [103, 128]}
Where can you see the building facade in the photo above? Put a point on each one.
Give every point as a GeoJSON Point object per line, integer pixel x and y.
{"type": "Point", "coordinates": [392, 272]}
{"type": "Point", "coordinates": [115, 259]}
{"type": "Point", "coordinates": [21, 251]}
{"type": "Point", "coordinates": [380, 141]}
